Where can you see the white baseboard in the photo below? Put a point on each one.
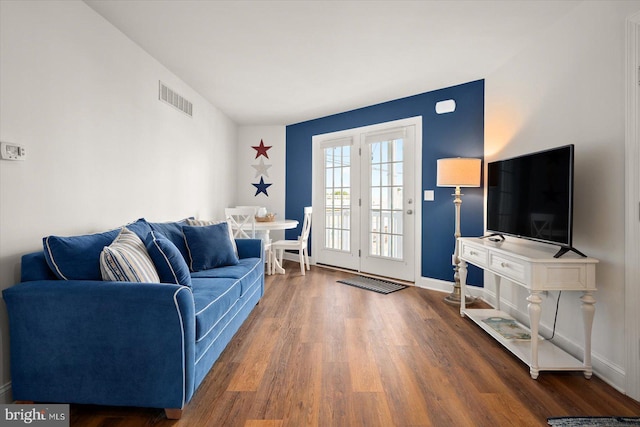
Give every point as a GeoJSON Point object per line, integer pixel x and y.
{"type": "Point", "coordinates": [5, 393]}
{"type": "Point", "coordinates": [445, 286]}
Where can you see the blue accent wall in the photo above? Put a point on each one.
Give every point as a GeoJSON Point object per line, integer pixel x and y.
{"type": "Point", "coordinates": [457, 134]}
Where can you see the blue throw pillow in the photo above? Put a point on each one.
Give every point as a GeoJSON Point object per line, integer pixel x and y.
{"type": "Point", "coordinates": [209, 246]}
{"type": "Point", "coordinates": [173, 232]}
{"type": "Point", "coordinates": [141, 227]}
{"type": "Point", "coordinates": [168, 260]}
{"type": "Point", "coordinates": [77, 257]}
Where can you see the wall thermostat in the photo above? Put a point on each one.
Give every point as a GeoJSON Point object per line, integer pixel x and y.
{"type": "Point", "coordinates": [10, 151]}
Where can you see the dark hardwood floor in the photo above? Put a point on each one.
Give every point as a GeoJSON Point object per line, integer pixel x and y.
{"type": "Point", "coordinates": [318, 353]}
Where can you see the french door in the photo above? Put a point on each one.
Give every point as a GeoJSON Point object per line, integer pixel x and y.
{"type": "Point", "coordinates": [364, 199]}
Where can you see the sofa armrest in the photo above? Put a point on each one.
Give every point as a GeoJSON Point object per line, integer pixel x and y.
{"type": "Point", "coordinates": [250, 248]}
{"type": "Point", "coordinates": [34, 267]}
{"type": "Point", "coordinates": [125, 344]}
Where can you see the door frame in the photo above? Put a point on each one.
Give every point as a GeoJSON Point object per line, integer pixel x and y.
{"type": "Point", "coordinates": [355, 132]}
{"type": "Point", "coordinates": [632, 208]}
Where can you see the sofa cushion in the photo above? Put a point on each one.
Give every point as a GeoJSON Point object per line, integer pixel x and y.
{"type": "Point", "coordinates": [167, 259]}
{"type": "Point", "coordinates": [127, 260]}
{"type": "Point", "coordinates": [78, 257]}
{"type": "Point", "coordinates": [213, 299]}
{"type": "Point", "coordinates": [209, 246]}
{"type": "Point", "coordinates": [204, 222]}
{"type": "Point", "coordinates": [173, 232]}
{"type": "Point", "coordinates": [247, 271]}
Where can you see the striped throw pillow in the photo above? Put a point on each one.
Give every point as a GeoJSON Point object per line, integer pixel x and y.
{"type": "Point", "coordinates": [127, 260]}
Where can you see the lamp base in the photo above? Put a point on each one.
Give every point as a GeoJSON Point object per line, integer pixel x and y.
{"type": "Point", "coordinates": [455, 297]}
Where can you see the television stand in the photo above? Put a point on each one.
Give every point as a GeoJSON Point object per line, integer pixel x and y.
{"type": "Point", "coordinates": [563, 250]}
{"type": "Point", "coordinates": [535, 268]}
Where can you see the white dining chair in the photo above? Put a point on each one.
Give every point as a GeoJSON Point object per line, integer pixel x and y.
{"type": "Point", "coordinates": [300, 245]}
{"type": "Point", "coordinates": [242, 220]}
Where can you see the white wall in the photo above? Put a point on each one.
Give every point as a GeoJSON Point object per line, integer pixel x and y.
{"type": "Point", "coordinates": [102, 150]}
{"type": "Point", "coordinates": [250, 136]}
{"type": "Point", "coordinates": [568, 88]}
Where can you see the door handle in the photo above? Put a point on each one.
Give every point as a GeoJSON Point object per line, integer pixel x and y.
{"type": "Point", "coordinates": [409, 212]}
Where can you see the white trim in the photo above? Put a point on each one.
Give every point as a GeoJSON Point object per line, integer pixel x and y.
{"type": "Point", "coordinates": [446, 286]}
{"type": "Point", "coordinates": [184, 358]}
{"type": "Point", "coordinates": [632, 221]}
{"type": "Point", "coordinates": [5, 393]}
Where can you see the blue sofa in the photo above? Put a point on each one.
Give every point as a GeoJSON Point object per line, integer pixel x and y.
{"type": "Point", "coordinates": [125, 344]}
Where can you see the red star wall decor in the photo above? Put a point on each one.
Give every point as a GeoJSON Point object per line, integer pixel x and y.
{"type": "Point", "coordinates": [261, 150]}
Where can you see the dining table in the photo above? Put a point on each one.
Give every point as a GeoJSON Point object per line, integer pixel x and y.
{"type": "Point", "coordinates": [263, 228]}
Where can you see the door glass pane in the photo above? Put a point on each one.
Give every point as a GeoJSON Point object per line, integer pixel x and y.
{"type": "Point", "coordinates": [346, 177]}
{"type": "Point", "coordinates": [397, 222]}
{"type": "Point", "coordinates": [397, 150]}
{"type": "Point", "coordinates": [346, 155]}
{"type": "Point", "coordinates": [397, 174]}
{"type": "Point", "coordinates": [385, 150]}
{"type": "Point", "coordinates": [375, 244]}
{"type": "Point", "coordinates": [396, 198]}
{"type": "Point", "coordinates": [385, 174]}
{"type": "Point", "coordinates": [337, 198]}
{"type": "Point", "coordinates": [386, 203]}
{"type": "Point", "coordinates": [385, 197]}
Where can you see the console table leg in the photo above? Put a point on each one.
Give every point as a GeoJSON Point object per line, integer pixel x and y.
{"type": "Point", "coordinates": [497, 281]}
{"type": "Point", "coordinates": [588, 312]}
{"type": "Point", "coordinates": [462, 273]}
{"type": "Point", "coordinates": [534, 318]}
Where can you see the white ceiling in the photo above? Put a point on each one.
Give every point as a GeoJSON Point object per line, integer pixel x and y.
{"type": "Point", "coordinates": [282, 62]}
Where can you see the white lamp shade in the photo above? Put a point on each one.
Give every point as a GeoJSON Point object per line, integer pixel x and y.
{"type": "Point", "coordinates": [459, 172]}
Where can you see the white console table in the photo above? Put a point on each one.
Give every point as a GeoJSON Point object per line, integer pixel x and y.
{"type": "Point", "coordinates": [532, 266]}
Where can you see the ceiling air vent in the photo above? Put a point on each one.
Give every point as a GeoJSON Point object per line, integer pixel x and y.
{"type": "Point", "coordinates": [170, 97]}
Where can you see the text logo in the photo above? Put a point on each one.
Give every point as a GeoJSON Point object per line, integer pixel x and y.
{"type": "Point", "coordinates": [34, 415]}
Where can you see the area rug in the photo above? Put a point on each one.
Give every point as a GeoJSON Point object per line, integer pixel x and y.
{"type": "Point", "coordinates": [371, 284]}
{"type": "Point", "coordinates": [594, 421]}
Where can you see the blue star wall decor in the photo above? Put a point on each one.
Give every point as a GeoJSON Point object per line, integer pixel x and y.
{"type": "Point", "coordinates": [261, 187]}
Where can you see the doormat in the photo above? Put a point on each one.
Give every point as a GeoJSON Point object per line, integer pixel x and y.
{"type": "Point", "coordinates": [593, 421]}
{"type": "Point", "coordinates": [371, 284]}
{"type": "Point", "coordinates": [508, 328]}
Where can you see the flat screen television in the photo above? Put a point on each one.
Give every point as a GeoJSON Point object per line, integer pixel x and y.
{"type": "Point", "coordinates": [531, 197]}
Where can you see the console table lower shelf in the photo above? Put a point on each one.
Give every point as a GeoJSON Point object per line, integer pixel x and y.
{"type": "Point", "coordinates": [550, 357]}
